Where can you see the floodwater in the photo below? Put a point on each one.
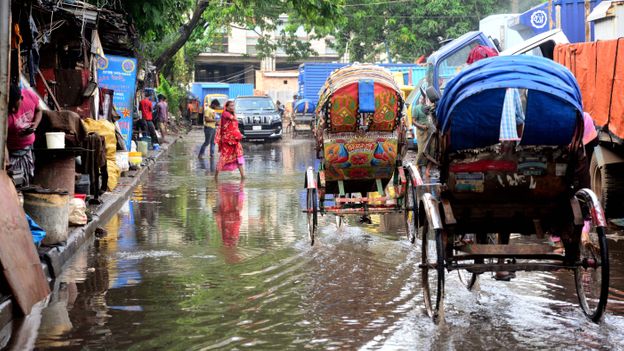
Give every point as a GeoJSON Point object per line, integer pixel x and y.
{"type": "Point", "coordinates": [191, 264]}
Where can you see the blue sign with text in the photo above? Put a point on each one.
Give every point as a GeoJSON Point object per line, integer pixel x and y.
{"type": "Point", "coordinates": [119, 73]}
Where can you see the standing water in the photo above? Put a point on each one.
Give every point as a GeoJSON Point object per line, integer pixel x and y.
{"type": "Point", "coordinates": [193, 264]}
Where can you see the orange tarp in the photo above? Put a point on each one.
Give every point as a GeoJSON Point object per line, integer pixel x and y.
{"type": "Point", "coordinates": [583, 57]}
{"type": "Point", "coordinates": [616, 119]}
{"type": "Point", "coordinates": [605, 55]}
{"type": "Point", "coordinates": [599, 70]}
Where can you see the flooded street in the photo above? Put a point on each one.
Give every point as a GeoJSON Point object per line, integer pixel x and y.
{"type": "Point", "coordinates": [193, 264]}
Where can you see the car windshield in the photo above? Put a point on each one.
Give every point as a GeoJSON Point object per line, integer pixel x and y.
{"type": "Point", "coordinates": [222, 100]}
{"type": "Point", "coordinates": [254, 104]}
{"type": "Point", "coordinates": [411, 98]}
{"type": "Point", "coordinates": [452, 65]}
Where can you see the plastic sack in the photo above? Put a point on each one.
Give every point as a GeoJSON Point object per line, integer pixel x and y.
{"type": "Point", "coordinates": [77, 212]}
{"type": "Point", "coordinates": [107, 130]}
{"type": "Point", "coordinates": [121, 158]}
{"type": "Point", "coordinates": [37, 232]}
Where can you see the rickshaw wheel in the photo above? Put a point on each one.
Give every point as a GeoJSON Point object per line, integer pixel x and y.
{"type": "Point", "coordinates": [592, 273]}
{"type": "Point", "coordinates": [410, 211]}
{"type": "Point", "coordinates": [432, 271]}
{"type": "Point", "coordinates": [312, 207]}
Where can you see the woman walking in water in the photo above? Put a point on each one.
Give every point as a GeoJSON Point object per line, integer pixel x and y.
{"type": "Point", "coordinates": [228, 139]}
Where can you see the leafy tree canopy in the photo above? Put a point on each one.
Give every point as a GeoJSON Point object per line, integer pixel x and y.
{"type": "Point", "coordinates": [407, 29]}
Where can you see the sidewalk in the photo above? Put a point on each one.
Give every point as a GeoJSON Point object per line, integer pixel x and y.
{"type": "Point", "coordinates": [53, 258]}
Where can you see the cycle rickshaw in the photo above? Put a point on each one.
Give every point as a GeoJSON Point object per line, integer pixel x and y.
{"type": "Point", "coordinates": [477, 186]}
{"type": "Point", "coordinates": [360, 140]}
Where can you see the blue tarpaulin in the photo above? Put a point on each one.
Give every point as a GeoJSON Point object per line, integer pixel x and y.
{"type": "Point", "coordinates": [305, 106]}
{"type": "Point", "coordinates": [471, 106]}
{"type": "Point", "coordinates": [37, 232]}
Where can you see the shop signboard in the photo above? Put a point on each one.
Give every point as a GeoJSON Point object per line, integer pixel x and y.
{"type": "Point", "coordinates": [119, 73]}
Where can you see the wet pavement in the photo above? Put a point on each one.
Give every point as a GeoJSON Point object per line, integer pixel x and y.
{"type": "Point", "coordinates": [193, 264]}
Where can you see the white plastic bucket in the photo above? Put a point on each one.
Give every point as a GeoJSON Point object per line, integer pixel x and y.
{"type": "Point", "coordinates": [55, 140]}
{"type": "Point", "coordinates": [121, 157]}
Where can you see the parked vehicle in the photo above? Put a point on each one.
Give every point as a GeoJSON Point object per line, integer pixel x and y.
{"type": "Point", "coordinates": [258, 117]}
{"type": "Point", "coordinates": [410, 102]}
{"type": "Point", "coordinates": [222, 98]}
{"type": "Point", "coordinates": [540, 45]}
{"type": "Point", "coordinates": [303, 115]}
{"type": "Point", "coordinates": [478, 181]}
{"type": "Point", "coordinates": [598, 69]}
{"type": "Point", "coordinates": [442, 65]}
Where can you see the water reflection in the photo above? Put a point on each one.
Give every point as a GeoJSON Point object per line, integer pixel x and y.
{"type": "Point", "coordinates": [191, 263]}
{"type": "Point", "coordinates": [228, 217]}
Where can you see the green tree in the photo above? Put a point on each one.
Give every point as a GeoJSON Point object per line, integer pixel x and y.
{"type": "Point", "coordinates": [411, 28]}
{"type": "Point", "coordinates": [165, 26]}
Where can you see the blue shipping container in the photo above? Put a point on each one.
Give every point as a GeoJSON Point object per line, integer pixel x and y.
{"type": "Point", "coordinates": [237, 90]}
{"type": "Point", "coordinates": [201, 89]}
{"type": "Point", "coordinates": [312, 76]}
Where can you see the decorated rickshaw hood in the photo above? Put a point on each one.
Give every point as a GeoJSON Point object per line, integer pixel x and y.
{"type": "Point", "coordinates": [475, 98]}
{"type": "Point", "coordinates": [351, 75]}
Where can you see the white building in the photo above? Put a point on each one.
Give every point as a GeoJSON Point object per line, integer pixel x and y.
{"type": "Point", "coordinates": [235, 59]}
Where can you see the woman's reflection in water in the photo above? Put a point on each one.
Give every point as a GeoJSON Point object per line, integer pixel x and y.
{"type": "Point", "coordinates": [228, 216]}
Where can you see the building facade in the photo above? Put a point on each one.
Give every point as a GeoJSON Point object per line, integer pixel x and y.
{"type": "Point", "coordinates": [234, 59]}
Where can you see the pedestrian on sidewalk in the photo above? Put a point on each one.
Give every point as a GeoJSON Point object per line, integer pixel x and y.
{"type": "Point", "coordinates": [229, 141]}
{"type": "Point", "coordinates": [210, 126]}
{"type": "Point", "coordinates": [145, 106]}
{"type": "Point", "coordinates": [162, 114]}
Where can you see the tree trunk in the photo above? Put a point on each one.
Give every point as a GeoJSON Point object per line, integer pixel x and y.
{"type": "Point", "coordinates": [184, 34]}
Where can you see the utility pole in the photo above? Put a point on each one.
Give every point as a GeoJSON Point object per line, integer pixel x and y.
{"type": "Point", "coordinates": [515, 6]}
{"type": "Point", "coordinates": [587, 26]}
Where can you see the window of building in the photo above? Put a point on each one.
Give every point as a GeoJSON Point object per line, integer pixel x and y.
{"type": "Point", "coordinates": [219, 44]}
{"type": "Point", "coordinates": [252, 46]}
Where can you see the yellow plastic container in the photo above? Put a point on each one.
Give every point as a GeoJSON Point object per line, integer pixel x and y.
{"type": "Point", "coordinates": [135, 158]}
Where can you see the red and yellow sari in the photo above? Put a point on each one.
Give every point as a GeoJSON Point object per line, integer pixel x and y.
{"type": "Point", "coordinates": [228, 139]}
